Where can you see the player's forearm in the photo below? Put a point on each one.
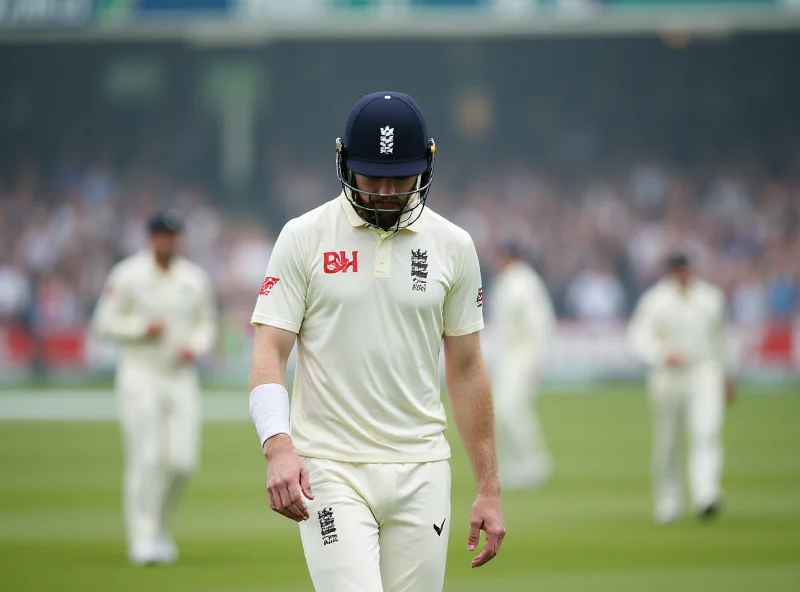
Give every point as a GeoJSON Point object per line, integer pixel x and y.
{"type": "Point", "coordinates": [542, 329]}
{"type": "Point", "coordinates": [203, 338]}
{"type": "Point", "coordinates": [269, 398]}
{"type": "Point", "coordinates": [109, 325]}
{"type": "Point", "coordinates": [720, 345]}
{"type": "Point", "coordinates": [271, 349]}
{"type": "Point", "coordinates": [644, 344]}
{"type": "Point", "coordinates": [471, 402]}
{"type": "Point", "coordinates": [267, 368]}
{"type": "Point", "coordinates": [205, 332]}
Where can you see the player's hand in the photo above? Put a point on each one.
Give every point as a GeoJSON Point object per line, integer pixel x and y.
{"type": "Point", "coordinates": [730, 390]}
{"type": "Point", "coordinates": [287, 479]}
{"type": "Point", "coordinates": [154, 329]}
{"type": "Point", "coordinates": [186, 356]}
{"type": "Point", "coordinates": [487, 515]}
{"type": "Point", "coordinates": [674, 360]}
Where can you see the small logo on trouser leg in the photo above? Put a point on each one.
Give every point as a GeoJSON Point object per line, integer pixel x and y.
{"type": "Point", "coordinates": [439, 529]}
{"type": "Point", "coordinates": [327, 526]}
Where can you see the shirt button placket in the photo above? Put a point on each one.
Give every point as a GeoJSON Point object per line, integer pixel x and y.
{"type": "Point", "coordinates": [383, 256]}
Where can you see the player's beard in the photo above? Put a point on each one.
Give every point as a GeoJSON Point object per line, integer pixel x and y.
{"type": "Point", "coordinates": [395, 207]}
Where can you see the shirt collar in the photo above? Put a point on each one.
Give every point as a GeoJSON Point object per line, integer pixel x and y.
{"type": "Point", "coordinates": [356, 220]}
{"type": "Point", "coordinates": [350, 211]}
{"type": "Point", "coordinates": [676, 287]}
{"type": "Point", "coordinates": [150, 257]}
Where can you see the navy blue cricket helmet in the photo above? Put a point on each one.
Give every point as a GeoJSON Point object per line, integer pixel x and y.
{"type": "Point", "coordinates": [679, 259]}
{"type": "Point", "coordinates": [386, 136]}
{"type": "Point", "coordinates": [165, 221]}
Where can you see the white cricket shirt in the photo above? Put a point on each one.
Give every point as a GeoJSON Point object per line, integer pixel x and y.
{"type": "Point", "coordinates": [690, 322]}
{"type": "Point", "coordinates": [138, 292]}
{"type": "Point", "coordinates": [370, 309]}
{"type": "Point", "coordinates": [522, 312]}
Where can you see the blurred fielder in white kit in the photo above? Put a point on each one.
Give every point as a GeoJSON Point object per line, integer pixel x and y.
{"type": "Point", "coordinates": [678, 329]}
{"type": "Point", "coordinates": [160, 307]}
{"type": "Point", "coordinates": [523, 318]}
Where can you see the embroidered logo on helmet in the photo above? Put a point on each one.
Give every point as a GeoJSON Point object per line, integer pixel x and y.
{"type": "Point", "coordinates": [387, 140]}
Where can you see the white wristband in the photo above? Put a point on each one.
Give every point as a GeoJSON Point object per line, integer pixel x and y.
{"type": "Point", "coordinates": [269, 409]}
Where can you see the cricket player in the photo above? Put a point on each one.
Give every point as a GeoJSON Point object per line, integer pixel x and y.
{"type": "Point", "coordinates": [369, 285]}
{"type": "Point", "coordinates": [678, 329]}
{"type": "Point", "coordinates": [161, 308]}
{"type": "Point", "coordinates": [523, 318]}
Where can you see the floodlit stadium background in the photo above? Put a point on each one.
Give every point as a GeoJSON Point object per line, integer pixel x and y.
{"type": "Point", "coordinates": [599, 134]}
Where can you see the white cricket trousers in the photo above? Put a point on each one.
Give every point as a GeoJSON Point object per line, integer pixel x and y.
{"type": "Point", "coordinates": [160, 419]}
{"type": "Point", "coordinates": [692, 398]}
{"type": "Point", "coordinates": [377, 527]}
{"type": "Point", "coordinates": [522, 449]}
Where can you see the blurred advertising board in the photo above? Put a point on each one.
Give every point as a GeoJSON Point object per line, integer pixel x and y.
{"type": "Point", "coordinates": [124, 9]}
{"type": "Point", "coordinates": [250, 21]}
{"type": "Point", "coordinates": [45, 14]}
{"type": "Point", "coordinates": [578, 352]}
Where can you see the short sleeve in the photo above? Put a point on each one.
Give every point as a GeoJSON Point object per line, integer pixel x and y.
{"type": "Point", "coordinates": [281, 300]}
{"type": "Point", "coordinates": [463, 307]}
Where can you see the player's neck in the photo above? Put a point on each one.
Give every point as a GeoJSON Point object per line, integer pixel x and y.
{"type": "Point", "coordinates": [382, 221]}
{"type": "Point", "coordinates": [683, 285]}
{"type": "Point", "coordinates": [163, 262]}
{"type": "Point", "coordinates": [507, 264]}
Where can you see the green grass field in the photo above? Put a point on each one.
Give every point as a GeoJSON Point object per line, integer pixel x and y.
{"type": "Point", "coordinates": [588, 529]}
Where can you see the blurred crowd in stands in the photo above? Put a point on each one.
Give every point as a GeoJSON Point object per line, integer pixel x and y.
{"type": "Point", "coordinates": [597, 241]}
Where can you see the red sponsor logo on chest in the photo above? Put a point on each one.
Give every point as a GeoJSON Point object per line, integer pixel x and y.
{"type": "Point", "coordinates": [336, 262]}
{"type": "Point", "coordinates": [266, 287]}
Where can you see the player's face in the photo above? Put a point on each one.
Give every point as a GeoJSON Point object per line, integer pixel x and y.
{"type": "Point", "coordinates": [683, 275]}
{"type": "Point", "coordinates": [386, 198]}
{"type": "Point", "coordinates": [165, 244]}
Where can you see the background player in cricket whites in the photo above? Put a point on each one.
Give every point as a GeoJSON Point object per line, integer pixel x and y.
{"type": "Point", "coordinates": [160, 307]}
{"type": "Point", "coordinates": [523, 319]}
{"type": "Point", "coordinates": [678, 329]}
{"type": "Point", "coordinates": [369, 285]}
